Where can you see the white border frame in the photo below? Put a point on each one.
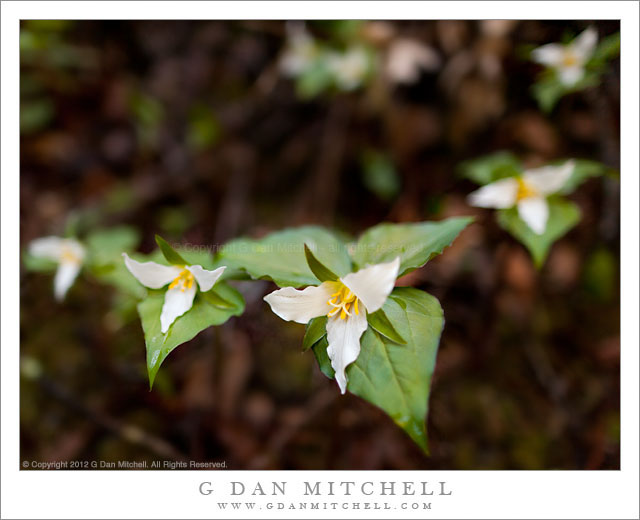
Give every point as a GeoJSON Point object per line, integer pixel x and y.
{"type": "Point", "coordinates": [480, 494]}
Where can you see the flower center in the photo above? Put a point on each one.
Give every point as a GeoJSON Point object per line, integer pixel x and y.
{"type": "Point", "coordinates": [69, 256]}
{"type": "Point", "coordinates": [344, 302]}
{"type": "Point", "coordinates": [184, 279]}
{"type": "Point", "coordinates": [525, 190]}
{"type": "Point", "coordinates": [569, 59]}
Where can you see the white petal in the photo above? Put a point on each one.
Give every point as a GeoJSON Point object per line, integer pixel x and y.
{"type": "Point", "coordinates": [407, 58]}
{"type": "Point", "coordinates": [549, 179]}
{"type": "Point", "coordinates": [176, 303]}
{"type": "Point", "coordinates": [585, 43]}
{"type": "Point", "coordinates": [535, 212]}
{"type": "Point", "coordinates": [344, 343]}
{"type": "Point", "coordinates": [150, 274]}
{"type": "Point", "coordinates": [206, 279]}
{"type": "Point", "coordinates": [569, 76]}
{"type": "Point", "coordinates": [499, 194]}
{"type": "Point", "coordinates": [47, 247]}
{"type": "Point", "coordinates": [57, 249]}
{"type": "Point", "coordinates": [300, 306]}
{"type": "Point", "coordinates": [373, 284]}
{"type": "Point", "coordinates": [65, 276]}
{"type": "Point", "coordinates": [551, 54]}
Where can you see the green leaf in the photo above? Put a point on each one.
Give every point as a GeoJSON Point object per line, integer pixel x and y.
{"type": "Point", "coordinates": [379, 175]}
{"type": "Point", "coordinates": [320, 351]}
{"type": "Point", "coordinates": [383, 321]}
{"type": "Point", "coordinates": [563, 215]}
{"type": "Point", "coordinates": [548, 92]}
{"type": "Point", "coordinates": [414, 243]}
{"type": "Point", "coordinates": [582, 171]}
{"type": "Point", "coordinates": [609, 47]}
{"type": "Point", "coordinates": [315, 331]}
{"type": "Point", "coordinates": [106, 246]}
{"type": "Point", "coordinates": [318, 269]}
{"type": "Point", "coordinates": [491, 168]}
{"type": "Point", "coordinates": [280, 256]}
{"type": "Point", "coordinates": [202, 315]}
{"type": "Point", "coordinates": [169, 253]}
{"type": "Point", "coordinates": [395, 377]}
{"type": "Point", "coordinates": [37, 263]}
{"type": "Point", "coordinates": [217, 300]}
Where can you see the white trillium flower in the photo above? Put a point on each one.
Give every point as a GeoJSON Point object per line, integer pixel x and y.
{"type": "Point", "coordinates": [68, 253]}
{"type": "Point", "coordinates": [528, 192]}
{"type": "Point", "coordinates": [408, 58]}
{"type": "Point", "coordinates": [350, 68]}
{"type": "Point", "coordinates": [300, 53]}
{"type": "Point", "coordinates": [182, 289]}
{"type": "Point", "coordinates": [346, 303]}
{"type": "Point", "coordinates": [568, 60]}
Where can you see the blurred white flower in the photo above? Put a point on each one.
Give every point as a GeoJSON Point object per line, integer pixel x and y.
{"type": "Point", "coordinates": [568, 60]}
{"type": "Point", "coordinates": [300, 53]}
{"type": "Point", "coordinates": [406, 59]}
{"type": "Point", "coordinates": [68, 253]}
{"type": "Point", "coordinates": [528, 192]}
{"type": "Point", "coordinates": [346, 303]}
{"type": "Point", "coordinates": [349, 69]}
{"type": "Point", "coordinates": [182, 289]}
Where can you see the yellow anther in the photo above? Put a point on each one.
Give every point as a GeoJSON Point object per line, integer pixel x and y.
{"type": "Point", "coordinates": [525, 190]}
{"type": "Point", "coordinates": [342, 301]}
{"type": "Point", "coordinates": [185, 279]}
{"type": "Point", "coordinates": [569, 59]}
{"type": "Point", "coordinates": [69, 256]}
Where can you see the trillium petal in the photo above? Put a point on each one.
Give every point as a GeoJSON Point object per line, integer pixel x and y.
{"type": "Point", "coordinates": [585, 43]}
{"type": "Point", "coordinates": [535, 212]}
{"type": "Point", "coordinates": [150, 274]}
{"type": "Point", "coordinates": [206, 279]}
{"type": "Point", "coordinates": [500, 194]}
{"type": "Point", "coordinates": [65, 276]}
{"type": "Point", "coordinates": [569, 76]}
{"type": "Point", "coordinates": [176, 303]}
{"type": "Point", "coordinates": [550, 55]}
{"type": "Point", "coordinates": [301, 305]}
{"type": "Point", "coordinates": [549, 179]}
{"type": "Point", "coordinates": [344, 344]}
{"type": "Point", "coordinates": [47, 247]}
{"type": "Point", "coordinates": [57, 249]}
{"type": "Point", "coordinates": [373, 284]}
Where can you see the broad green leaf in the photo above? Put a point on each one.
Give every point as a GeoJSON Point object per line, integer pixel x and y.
{"type": "Point", "coordinates": [583, 170]}
{"type": "Point", "coordinates": [491, 168]}
{"type": "Point", "coordinates": [563, 215]}
{"type": "Point", "coordinates": [609, 47]}
{"type": "Point", "coordinates": [321, 272]}
{"type": "Point", "coordinates": [414, 243]}
{"type": "Point", "coordinates": [202, 315]}
{"type": "Point", "coordinates": [379, 174]}
{"type": "Point", "coordinates": [315, 331]}
{"type": "Point", "coordinates": [320, 351]}
{"type": "Point", "coordinates": [383, 321]}
{"type": "Point", "coordinates": [37, 263]}
{"type": "Point", "coordinates": [106, 246]}
{"type": "Point", "coordinates": [172, 256]}
{"type": "Point", "coordinates": [280, 256]}
{"type": "Point", "coordinates": [548, 92]}
{"type": "Point", "coordinates": [395, 377]}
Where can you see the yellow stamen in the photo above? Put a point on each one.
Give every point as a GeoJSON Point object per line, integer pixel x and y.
{"type": "Point", "coordinates": [525, 190]}
{"type": "Point", "coordinates": [342, 301]}
{"type": "Point", "coordinates": [569, 59]}
{"type": "Point", "coordinates": [185, 279]}
{"type": "Point", "coordinates": [69, 256]}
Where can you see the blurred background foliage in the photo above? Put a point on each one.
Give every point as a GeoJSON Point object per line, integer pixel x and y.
{"type": "Point", "coordinates": [192, 130]}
